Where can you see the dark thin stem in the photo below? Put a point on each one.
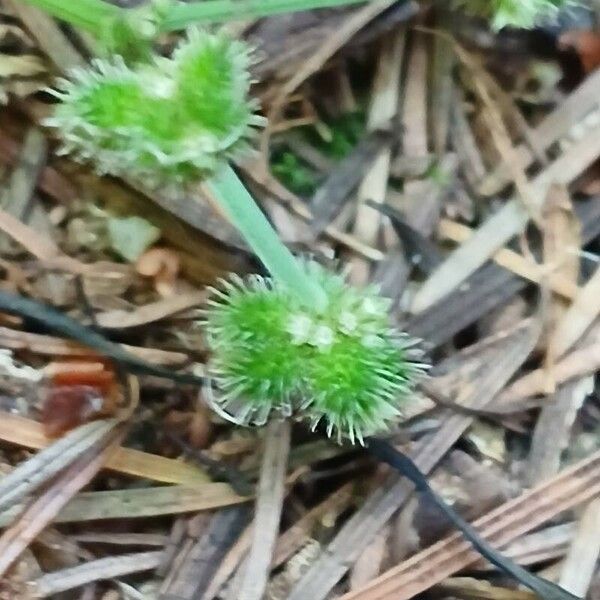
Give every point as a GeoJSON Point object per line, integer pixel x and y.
{"type": "Point", "coordinates": [385, 452]}
{"type": "Point", "coordinates": [218, 470]}
{"type": "Point", "coordinates": [63, 325]}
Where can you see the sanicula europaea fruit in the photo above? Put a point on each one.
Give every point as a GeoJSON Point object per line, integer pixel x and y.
{"type": "Point", "coordinates": [170, 121]}
{"type": "Point", "coordinates": [524, 14]}
{"type": "Point", "coordinates": [301, 342]}
{"type": "Point", "coordinates": [345, 367]}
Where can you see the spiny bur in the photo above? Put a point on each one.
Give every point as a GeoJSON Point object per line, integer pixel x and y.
{"type": "Point", "coordinates": [170, 121]}
{"type": "Point", "coordinates": [345, 366]}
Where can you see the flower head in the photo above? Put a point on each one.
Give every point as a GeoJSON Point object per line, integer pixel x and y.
{"type": "Point", "coordinates": [345, 367]}
{"type": "Point", "coordinates": [172, 120]}
{"type": "Point", "coordinates": [523, 14]}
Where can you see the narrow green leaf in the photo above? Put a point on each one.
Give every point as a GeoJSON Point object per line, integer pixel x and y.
{"type": "Point", "coordinates": [240, 208]}
{"type": "Point", "coordinates": [86, 14]}
{"type": "Point", "coordinates": [181, 15]}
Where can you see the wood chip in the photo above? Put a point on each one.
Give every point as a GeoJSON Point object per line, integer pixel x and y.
{"type": "Point", "coordinates": [255, 571]}
{"type": "Point", "coordinates": [368, 565]}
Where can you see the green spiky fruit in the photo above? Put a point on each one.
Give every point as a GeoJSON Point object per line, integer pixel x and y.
{"type": "Point", "coordinates": [173, 120]}
{"type": "Point", "coordinates": [346, 366]}
{"type": "Point", "coordinates": [524, 14]}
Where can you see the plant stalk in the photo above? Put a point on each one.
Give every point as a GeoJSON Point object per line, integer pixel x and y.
{"type": "Point", "coordinates": [239, 206]}
{"type": "Point", "coordinates": [91, 15]}
{"type": "Point", "coordinates": [181, 15]}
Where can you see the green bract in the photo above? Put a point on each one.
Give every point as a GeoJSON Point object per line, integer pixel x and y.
{"type": "Point", "coordinates": [523, 14]}
{"type": "Point", "coordinates": [173, 120]}
{"type": "Point", "coordinates": [345, 366]}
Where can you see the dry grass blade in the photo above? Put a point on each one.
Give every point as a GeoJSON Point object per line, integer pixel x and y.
{"type": "Point", "coordinates": [329, 198]}
{"type": "Point", "coordinates": [463, 138]}
{"type": "Point", "coordinates": [122, 539]}
{"type": "Point", "coordinates": [270, 494]}
{"type": "Point", "coordinates": [442, 94]}
{"type": "Point", "coordinates": [145, 502]}
{"type": "Point", "coordinates": [38, 245]}
{"type": "Point", "coordinates": [414, 104]}
{"type": "Point", "coordinates": [48, 345]}
{"type": "Point", "coordinates": [95, 570]}
{"type": "Point", "coordinates": [472, 589]}
{"type": "Point", "coordinates": [497, 364]}
{"type": "Point", "coordinates": [484, 85]}
{"type": "Point", "coordinates": [384, 105]}
{"type": "Point", "coordinates": [554, 126]}
{"type": "Point", "coordinates": [574, 486]}
{"type": "Point", "coordinates": [149, 313]}
{"type": "Point", "coordinates": [513, 261]}
{"type": "Point", "coordinates": [538, 547]}
{"type": "Point", "coordinates": [354, 23]}
{"type": "Point", "coordinates": [32, 473]}
{"type": "Point", "coordinates": [504, 224]}
{"type": "Point", "coordinates": [580, 565]}
{"type": "Point", "coordinates": [18, 195]}
{"type": "Point", "coordinates": [195, 564]}
{"type": "Point", "coordinates": [49, 35]}
{"type": "Point", "coordinates": [25, 432]}
{"type": "Point", "coordinates": [487, 289]}
{"type": "Point", "coordinates": [298, 534]}
{"type": "Point", "coordinates": [258, 173]}
{"type": "Point", "coordinates": [580, 362]}
{"type": "Point", "coordinates": [553, 429]}
{"type": "Point", "coordinates": [578, 318]}
{"type": "Point", "coordinates": [561, 242]}
{"type": "Point", "coordinates": [44, 509]}
{"type": "Point", "coordinates": [289, 542]}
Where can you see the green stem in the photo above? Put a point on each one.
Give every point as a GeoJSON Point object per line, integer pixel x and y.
{"type": "Point", "coordinates": [93, 14]}
{"type": "Point", "coordinates": [90, 15]}
{"type": "Point", "coordinates": [240, 208]}
{"type": "Point", "coordinates": [181, 15]}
